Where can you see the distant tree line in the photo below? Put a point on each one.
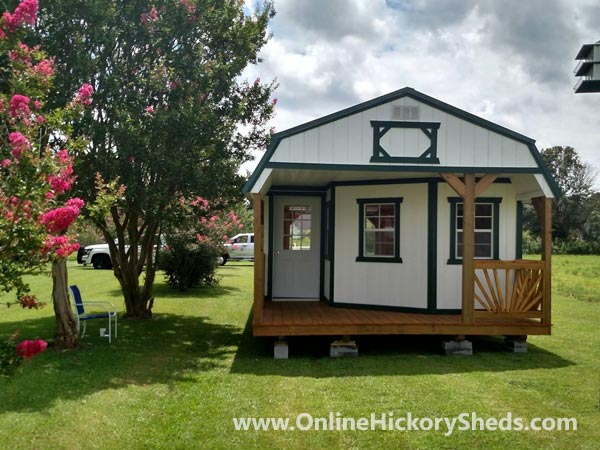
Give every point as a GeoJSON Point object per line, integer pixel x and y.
{"type": "Point", "coordinates": [576, 214]}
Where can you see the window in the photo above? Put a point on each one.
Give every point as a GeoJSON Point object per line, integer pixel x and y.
{"type": "Point", "coordinates": [297, 221]}
{"type": "Point", "coordinates": [486, 229]}
{"type": "Point", "coordinates": [379, 230]}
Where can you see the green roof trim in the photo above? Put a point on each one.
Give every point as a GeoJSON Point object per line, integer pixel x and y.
{"type": "Point", "coordinates": [404, 92]}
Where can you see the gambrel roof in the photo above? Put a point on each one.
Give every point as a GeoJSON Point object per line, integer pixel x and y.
{"type": "Point", "coordinates": [403, 132]}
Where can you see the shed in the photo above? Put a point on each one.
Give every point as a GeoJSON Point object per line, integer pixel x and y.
{"type": "Point", "coordinates": [399, 215]}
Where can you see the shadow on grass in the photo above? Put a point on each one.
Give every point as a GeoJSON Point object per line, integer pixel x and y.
{"type": "Point", "coordinates": [384, 355]}
{"type": "Point", "coordinates": [164, 350]}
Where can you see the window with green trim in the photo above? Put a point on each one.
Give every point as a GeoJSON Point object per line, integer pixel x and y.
{"type": "Point", "coordinates": [487, 212]}
{"type": "Point", "coordinates": [379, 230]}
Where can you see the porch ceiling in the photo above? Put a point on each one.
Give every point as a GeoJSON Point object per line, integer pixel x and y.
{"type": "Point", "coordinates": [526, 185]}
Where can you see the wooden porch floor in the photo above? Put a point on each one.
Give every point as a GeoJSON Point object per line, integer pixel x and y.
{"type": "Point", "coordinates": [318, 318]}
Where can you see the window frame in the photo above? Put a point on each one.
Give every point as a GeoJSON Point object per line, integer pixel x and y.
{"type": "Point", "coordinates": [495, 202]}
{"type": "Point", "coordinates": [362, 203]}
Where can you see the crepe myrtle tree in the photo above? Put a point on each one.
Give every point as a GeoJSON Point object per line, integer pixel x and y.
{"type": "Point", "coordinates": [35, 176]}
{"type": "Point", "coordinates": [172, 116]}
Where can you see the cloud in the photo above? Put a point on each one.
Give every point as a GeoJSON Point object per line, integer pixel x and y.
{"type": "Point", "coordinates": [510, 62]}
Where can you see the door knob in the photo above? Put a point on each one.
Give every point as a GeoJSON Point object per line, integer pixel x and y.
{"type": "Point", "coordinates": [276, 252]}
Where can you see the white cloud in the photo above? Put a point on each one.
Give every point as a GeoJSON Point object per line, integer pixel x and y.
{"type": "Point", "coordinates": [509, 62]}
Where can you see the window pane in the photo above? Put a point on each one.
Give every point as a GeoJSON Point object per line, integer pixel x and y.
{"type": "Point", "coordinates": [371, 210]}
{"type": "Point", "coordinates": [483, 223]}
{"type": "Point", "coordinates": [483, 250]}
{"type": "Point", "coordinates": [369, 244]}
{"type": "Point", "coordinates": [484, 237]}
{"type": "Point", "coordinates": [387, 210]}
{"type": "Point", "coordinates": [459, 209]}
{"type": "Point", "coordinates": [387, 222]}
{"type": "Point", "coordinates": [459, 237]}
{"type": "Point", "coordinates": [296, 227]}
{"type": "Point", "coordinates": [371, 223]}
{"type": "Point", "coordinates": [483, 209]}
{"type": "Point", "coordinates": [459, 223]}
{"type": "Point", "coordinates": [379, 229]}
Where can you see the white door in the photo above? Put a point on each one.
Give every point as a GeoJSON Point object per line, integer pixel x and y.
{"type": "Point", "coordinates": [296, 247]}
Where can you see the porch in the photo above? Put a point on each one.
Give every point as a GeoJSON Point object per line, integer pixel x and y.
{"type": "Point", "coordinates": [318, 318]}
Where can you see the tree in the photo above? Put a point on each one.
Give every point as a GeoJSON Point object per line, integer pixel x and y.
{"type": "Point", "coordinates": [34, 174]}
{"type": "Point", "coordinates": [171, 116]}
{"type": "Point", "coordinates": [575, 180]}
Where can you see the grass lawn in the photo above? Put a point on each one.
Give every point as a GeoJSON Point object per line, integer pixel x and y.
{"type": "Point", "coordinates": [178, 380]}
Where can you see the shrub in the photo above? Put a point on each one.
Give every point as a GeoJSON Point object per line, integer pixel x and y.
{"type": "Point", "coordinates": [575, 247]}
{"type": "Point", "coordinates": [188, 264]}
{"type": "Point", "coordinates": [532, 245]}
{"type": "Point", "coordinates": [10, 359]}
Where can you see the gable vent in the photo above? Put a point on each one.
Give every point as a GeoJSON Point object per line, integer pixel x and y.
{"type": "Point", "coordinates": [405, 112]}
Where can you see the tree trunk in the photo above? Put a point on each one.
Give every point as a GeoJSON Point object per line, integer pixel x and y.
{"type": "Point", "coordinates": [138, 299]}
{"type": "Point", "coordinates": [66, 334]}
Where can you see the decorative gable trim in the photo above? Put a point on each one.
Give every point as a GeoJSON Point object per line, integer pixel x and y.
{"type": "Point", "coordinates": [380, 128]}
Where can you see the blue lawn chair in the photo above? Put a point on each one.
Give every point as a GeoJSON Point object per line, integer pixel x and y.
{"type": "Point", "coordinates": [110, 312]}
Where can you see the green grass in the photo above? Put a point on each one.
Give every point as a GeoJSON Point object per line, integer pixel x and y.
{"type": "Point", "coordinates": [178, 380]}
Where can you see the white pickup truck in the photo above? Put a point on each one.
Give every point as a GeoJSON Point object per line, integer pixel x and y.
{"type": "Point", "coordinates": [239, 247]}
{"type": "Point", "coordinates": [97, 255]}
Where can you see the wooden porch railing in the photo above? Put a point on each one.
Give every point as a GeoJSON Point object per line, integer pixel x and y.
{"type": "Point", "coordinates": [512, 289]}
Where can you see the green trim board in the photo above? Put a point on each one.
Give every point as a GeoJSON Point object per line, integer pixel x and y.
{"type": "Point", "coordinates": [361, 229]}
{"type": "Point", "coordinates": [270, 255]}
{"type": "Point", "coordinates": [537, 156]}
{"type": "Point", "coordinates": [499, 180]}
{"type": "Point", "coordinates": [322, 250]}
{"type": "Point", "coordinates": [411, 93]}
{"type": "Point", "coordinates": [404, 168]}
{"type": "Point", "coordinates": [296, 189]}
{"type": "Point", "coordinates": [273, 144]}
{"type": "Point", "coordinates": [495, 201]}
{"type": "Point", "coordinates": [406, 309]}
{"type": "Point", "coordinates": [432, 230]}
{"type": "Point", "coordinates": [332, 244]}
{"type": "Point", "coordinates": [380, 128]}
{"type": "Point", "coordinates": [519, 231]}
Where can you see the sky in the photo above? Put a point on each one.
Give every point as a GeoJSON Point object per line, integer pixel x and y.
{"type": "Point", "coordinates": [508, 61]}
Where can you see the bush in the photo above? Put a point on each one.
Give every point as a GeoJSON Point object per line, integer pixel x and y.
{"type": "Point", "coordinates": [532, 245]}
{"type": "Point", "coordinates": [575, 247]}
{"type": "Point", "coordinates": [10, 359]}
{"type": "Point", "coordinates": [189, 264]}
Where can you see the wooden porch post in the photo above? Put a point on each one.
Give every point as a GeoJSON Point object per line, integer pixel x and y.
{"type": "Point", "coordinates": [468, 249]}
{"type": "Point", "coordinates": [543, 208]}
{"type": "Point", "coordinates": [259, 259]}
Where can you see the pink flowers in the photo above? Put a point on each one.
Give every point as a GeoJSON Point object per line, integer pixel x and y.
{"type": "Point", "coordinates": [30, 348]}
{"type": "Point", "coordinates": [19, 106]}
{"type": "Point", "coordinates": [84, 94]}
{"type": "Point", "coordinates": [25, 13]}
{"type": "Point", "coordinates": [62, 181]}
{"type": "Point", "coordinates": [44, 68]}
{"type": "Point", "coordinates": [59, 219]}
{"type": "Point", "coordinates": [60, 245]}
{"type": "Point", "coordinates": [148, 19]}
{"type": "Point", "coordinates": [188, 5]}
{"type": "Point", "coordinates": [150, 109]}
{"type": "Point", "coordinates": [18, 144]}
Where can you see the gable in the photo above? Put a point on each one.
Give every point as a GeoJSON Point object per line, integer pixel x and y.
{"type": "Point", "coordinates": [406, 130]}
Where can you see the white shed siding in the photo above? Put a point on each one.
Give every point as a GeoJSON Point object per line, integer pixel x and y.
{"type": "Point", "coordinates": [350, 141]}
{"type": "Point", "coordinates": [386, 284]}
{"type": "Point", "coordinates": [449, 277]}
